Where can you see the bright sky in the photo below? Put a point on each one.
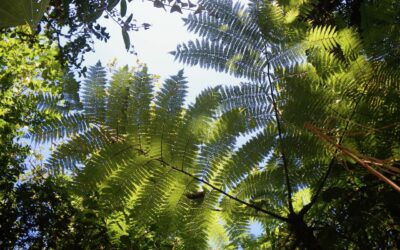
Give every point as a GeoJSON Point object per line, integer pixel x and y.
{"type": "Point", "coordinates": [152, 47]}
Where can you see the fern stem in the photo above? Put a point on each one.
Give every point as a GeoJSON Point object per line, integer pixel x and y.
{"type": "Point", "coordinates": [353, 155]}
{"type": "Point", "coordinates": [306, 208]}
{"type": "Point", "coordinates": [272, 214]}
{"type": "Point", "coordinates": [257, 208]}
{"type": "Point", "coordinates": [281, 148]}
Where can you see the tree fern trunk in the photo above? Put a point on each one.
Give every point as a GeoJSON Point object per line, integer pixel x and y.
{"type": "Point", "coordinates": [305, 237]}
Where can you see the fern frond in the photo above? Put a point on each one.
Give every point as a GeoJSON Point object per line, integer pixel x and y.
{"type": "Point", "coordinates": [252, 99]}
{"type": "Point", "coordinates": [123, 181]}
{"type": "Point", "coordinates": [50, 102]}
{"type": "Point", "coordinates": [195, 128]}
{"type": "Point", "coordinates": [168, 114]}
{"type": "Point", "coordinates": [232, 41]}
{"type": "Point", "coordinates": [322, 36]}
{"type": "Point", "coordinates": [220, 142]}
{"type": "Point", "coordinates": [117, 100]}
{"type": "Point", "coordinates": [102, 162]}
{"type": "Point", "coordinates": [94, 94]}
{"type": "Point", "coordinates": [67, 125]}
{"type": "Point", "coordinates": [258, 187]}
{"type": "Point", "coordinates": [244, 96]}
{"type": "Point", "coordinates": [222, 58]}
{"type": "Point", "coordinates": [76, 149]}
{"type": "Point", "coordinates": [248, 157]}
{"type": "Point", "coordinates": [70, 92]}
{"type": "Point", "coordinates": [153, 193]}
{"type": "Point", "coordinates": [271, 16]}
{"type": "Point", "coordinates": [138, 110]}
{"type": "Point", "coordinates": [231, 24]}
{"type": "Point", "coordinates": [196, 220]}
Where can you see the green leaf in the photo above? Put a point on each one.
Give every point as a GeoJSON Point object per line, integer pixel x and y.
{"type": "Point", "coordinates": [123, 8]}
{"type": "Point", "coordinates": [20, 12]}
{"type": "Point", "coordinates": [127, 41]}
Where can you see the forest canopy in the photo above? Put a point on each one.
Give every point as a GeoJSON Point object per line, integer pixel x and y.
{"type": "Point", "coordinates": [308, 146]}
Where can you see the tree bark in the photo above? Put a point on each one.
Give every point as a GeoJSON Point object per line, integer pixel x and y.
{"type": "Point", "coordinates": [304, 234]}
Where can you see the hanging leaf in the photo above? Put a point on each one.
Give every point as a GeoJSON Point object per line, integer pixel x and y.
{"type": "Point", "coordinates": [94, 16]}
{"type": "Point", "coordinates": [176, 8]}
{"type": "Point", "coordinates": [20, 12]}
{"type": "Point", "coordinates": [112, 4]}
{"type": "Point", "coordinates": [191, 5]}
{"type": "Point", "coordinates": [146, 26]}
{"type": "Point", "coordinates": [127, 40]}
{"type": "Point", "coordinates": [129, 19]}
{"type": "Point", "coordinates": [123, 8]}
{"type": "Point", "coordinates": [158, 4]}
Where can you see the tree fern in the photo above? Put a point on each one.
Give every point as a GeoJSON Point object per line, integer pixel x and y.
{"type": "Point", "coordinates": [175, 167]}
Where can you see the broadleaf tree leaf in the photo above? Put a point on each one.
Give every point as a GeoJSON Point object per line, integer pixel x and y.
{"type": "Point", "coordinates": [123, 8]}
{"type": "Point", "coordinates": [129, 19]}
{"type": "Point", "coordinates": [112, 4]}
{"type": "Point", "coordinates": [191, 5]}
{"type": "Point", "coordinates": [94, 16]}
{"type": "Point", "coordinates": [20, 12]}
{"type": "Point", "coordinates": [176, 8]}
{"type": "Point", "coordinates": [146, 26]}
{"type": "Point", "coordinates": [158, 4]}
{"type": "Point", "coordinates": [127, 40]}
